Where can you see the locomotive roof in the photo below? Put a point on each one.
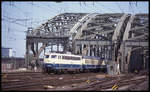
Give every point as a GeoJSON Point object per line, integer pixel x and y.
{"type": "Point", "coordinates": [61, 54]}
{"type": "Point", "coordinates": [91, 57]}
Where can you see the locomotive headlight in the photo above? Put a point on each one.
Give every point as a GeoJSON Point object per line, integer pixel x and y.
{"type": "Point", "coordinates": [46, 60]}
{"type": "Point", "coordinates": [103, 62]}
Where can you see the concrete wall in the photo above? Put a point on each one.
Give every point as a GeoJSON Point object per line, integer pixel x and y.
{"type": "Point", "coordinates": [13, 63]}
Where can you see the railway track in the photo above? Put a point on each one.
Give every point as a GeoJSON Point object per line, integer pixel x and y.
{"type": "Point", "coordinates": [108, 83]}
{"type": "Point", "coordinates": [82, 81]}
{"type": "Point", "coordinates": [15, 81]}
{"type": "Point", "coordinates": [118, 84]}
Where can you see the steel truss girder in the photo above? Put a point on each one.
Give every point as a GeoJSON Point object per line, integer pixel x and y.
{"type": "Point", "coordinates": [93, 42]}
{"type": "Point", "coordinates": [132, 43]}
{"type": "Point", "coordinates": [111, 26]}
{"type": "Point", "coordinates": [47, 39]}
{"type": "Point", "coordinates": [102, 26]}
{"type": "Point", "coordinates": [136, 35]}
{"type": "Point", "coordinates": [55, 27]}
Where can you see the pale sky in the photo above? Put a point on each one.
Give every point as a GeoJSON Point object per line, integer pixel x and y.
{"type": "Point", "coordinates": [18, 16]}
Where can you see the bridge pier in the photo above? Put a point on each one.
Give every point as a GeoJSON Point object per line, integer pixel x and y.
{"type": "Point", "coordinates": [33, 40]}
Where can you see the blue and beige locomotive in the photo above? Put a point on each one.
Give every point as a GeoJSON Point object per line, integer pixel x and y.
{"type": "Point", "coordinates": [56, 63]}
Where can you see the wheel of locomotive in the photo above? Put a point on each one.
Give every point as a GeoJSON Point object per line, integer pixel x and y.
{"type": "Point", "coordinates": [77, 70]}
{"type": "Point", "coordinates": [44, 71]}
{"type": "Point", "coordinates": [84, 71]}
{"type": "Point", "coordinates": [88, 70]}
{"type": "Point", "coordinates": [70, 72]}
{"type": "Point", "coordinates": [98, 70]}
{"type": "Point", "coordinates": [48, 70]}
{"type": "Point", "coordinates": [61, 71]}
{"type": "Point", "coordinates": [91, 70]}
{"type": "Point", "coordinates": [55, 71]}
{"type": "Point", "coordinates": [94, 70]}
{"type": "Point", "coordinates": [104, 70]}
{"type": "Point", "coordinates": [80, 70]}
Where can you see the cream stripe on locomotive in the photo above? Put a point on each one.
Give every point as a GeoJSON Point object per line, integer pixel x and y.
{"type": "Point", "coordinates": [62, 59]}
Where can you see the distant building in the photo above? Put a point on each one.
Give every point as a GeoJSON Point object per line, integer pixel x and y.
{"type": "Point", "coordinates": [7, 52]}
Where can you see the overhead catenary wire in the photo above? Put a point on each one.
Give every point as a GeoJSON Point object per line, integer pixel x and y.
{"type": "Point", "coordinates": [40, 6]}
{"type": "Point", "coordinates": [120, 8]}
{"type": "Point", "coordinates": [24, 13]}
{"type": "Point", "coordinates": [53, 9]}
{"type": "Point", "coordinates": [81, 6]}
{"type": "Point", "coordinates": [15, 19]}
{"type": "Point", "coordinates": [93, 5]}
{"type": "Point", "coordinates": [86, 5]}
{"type": "Point", "coordinates": [20, 9]}
{"type": "Point", "coordinates": [14, 22]}
{"type": "Point", "coordinates": [33, 4]}
{"type": "Point", "coordinates": [137, 7]}
{"type": "Point", "coordinates": [98, 8]}
{"type": "Point", "coordinates": [130, 7]}
{"type": "Point", "coordinates": [109, 9]}
{"type": "Point", "coordinates": [15, 36]}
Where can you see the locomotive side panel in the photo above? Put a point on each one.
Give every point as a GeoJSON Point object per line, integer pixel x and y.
{"type": "Point", "coordinates": [62, 62]}
{"type": "Point", "coordinates": [67, 62]}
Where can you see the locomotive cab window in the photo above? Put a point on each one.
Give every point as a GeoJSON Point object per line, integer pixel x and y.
{"type": "Point", "coordinates": [53, 56]}
{"type": "Point", "coordinates": [47, 56]}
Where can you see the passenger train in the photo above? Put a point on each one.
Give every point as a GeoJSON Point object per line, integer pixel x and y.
{"type": "Point", "coordinates": [57, 63]}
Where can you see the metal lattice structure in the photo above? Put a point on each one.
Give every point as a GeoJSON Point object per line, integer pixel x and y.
{"type": "Point", "coordinates": [135, 36]}
{"type": "Point", "coordinates": [108, 36]}
{"type": "Point", "coordinates": [99, 33]}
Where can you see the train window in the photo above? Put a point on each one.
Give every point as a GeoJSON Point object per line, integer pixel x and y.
{"type": "Point", "coordinates": [66, 57]}
{"type": "Point", "coordinates": [59, 57]}
{"type": "Point", "coordinates": [70, 58]}
{"type": "Point", "coordinates": [47, 56]}
{"type": "Point", "coordinates": [63, 57]}
{"type": "Point", "coordinates": [53, 56]}
{"type": "Point", "coordinates": [75, 58]}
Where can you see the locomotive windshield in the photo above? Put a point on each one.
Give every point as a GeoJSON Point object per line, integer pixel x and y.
{"type": "Point", "coordinates": [47, 56]}
{"type": "Point", "coordinates": [53, 56]}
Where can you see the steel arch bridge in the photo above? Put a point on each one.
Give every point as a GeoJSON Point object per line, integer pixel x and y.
{"type": "Point", "coordinates": [110, 36]}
